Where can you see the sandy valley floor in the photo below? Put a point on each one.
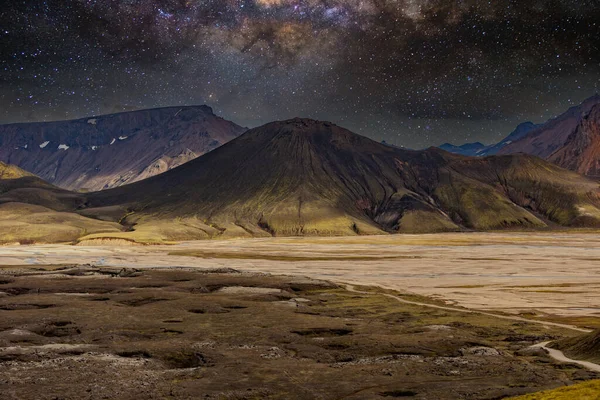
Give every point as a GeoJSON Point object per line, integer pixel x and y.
{"type": "Point", "coordinates": [550, 273]}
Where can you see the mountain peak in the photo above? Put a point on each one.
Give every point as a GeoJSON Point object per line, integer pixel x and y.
{"type": "Point", "coordinates": [101, 152]}
{"type": "Point", "coordinates": [304, 122]}
{"type": "Point", "coordinates": [525, 125]}
{"type": "Point", "coordinates": [202, 107]}
{"type": "Point", "coordinates": [308, 177]}
{"type": "Point", "coordinates": [305, 128]}
{"type": "Point", "coordinates": [570, 140]}
{"type": "Point", "coordinates": [311, 130]}
{"type": "Point", "coordinates": [588, 103]}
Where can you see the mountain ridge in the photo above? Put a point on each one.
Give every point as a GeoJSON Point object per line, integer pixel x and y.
{"type": "Point", "coordinates": [100, 152]}
{"type": "Point", "coordinates": [562, 140]}
{"type": "Point", "coordinates": [310, 177]}
{"type": "Point", "coordinates": [552, 135]}
{"type": "Point", "coordinates": [581, 150]}
{"type": "Point", "coordinates": [303, 177]}
{"type": "Point", "coordinates": [8, 171]}
{"type": "Point", "coordinates": [478, 149]}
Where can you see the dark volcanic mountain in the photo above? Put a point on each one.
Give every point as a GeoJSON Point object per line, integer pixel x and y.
{"type": "Point", "coordinates": [112, 150]}
{"type": "Point", "coordinates": [305, 177]}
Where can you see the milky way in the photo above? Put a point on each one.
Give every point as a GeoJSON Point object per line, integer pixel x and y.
{"type": "Point", "coordinates": [412, 72]}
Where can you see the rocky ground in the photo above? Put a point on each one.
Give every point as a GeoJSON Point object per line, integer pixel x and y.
{"type": "Point", "coordinates": [85, 332]}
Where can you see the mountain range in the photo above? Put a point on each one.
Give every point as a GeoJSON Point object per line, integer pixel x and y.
{"type": "Point", "coordinates": [306, 177]}
{"type": "Point", "coordinates": [571, 140]}
{"type": "Point", "coordinates": [102, 152]}
{"type": "Point", "coordinates": [479, 149]}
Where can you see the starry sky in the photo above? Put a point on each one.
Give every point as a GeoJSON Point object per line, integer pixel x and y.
{"type": "Point", "coordinates": [412, 72]}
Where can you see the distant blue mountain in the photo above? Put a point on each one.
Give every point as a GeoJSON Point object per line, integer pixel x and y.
{"type": "Point", "coordinates": [479, 149]}
{"type": "Point", "coordinates": [468, 149]}
{"type": "Point", "coordinates": [521, 131]}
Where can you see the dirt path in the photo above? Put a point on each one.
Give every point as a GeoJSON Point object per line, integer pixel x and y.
{"type": "Point", "coordinates": [560, 356]}
{"type": "Point", "coordinates": [555, 354]}
{"type": "Point", "coordinates": [350, 288]}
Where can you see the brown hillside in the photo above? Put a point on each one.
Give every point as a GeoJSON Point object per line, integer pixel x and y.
{"type": "Point", "coordinates": [304, 177]}
{"type": "Point", "coordinates": [112, 150]}
{"type": "Point", "coordinates": [581, 151]}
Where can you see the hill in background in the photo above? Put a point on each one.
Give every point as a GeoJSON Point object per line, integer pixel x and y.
{"type": "Point", "coordinates": [305, 177]}
{"type": "Point", "coordinates": [12, 172]}
{"type": "Point", "coordinates": [571, 140]}
{"type": "Point", "coordinates": [33, 211]}
{"type": "Point", "coordinates": [112, 150]}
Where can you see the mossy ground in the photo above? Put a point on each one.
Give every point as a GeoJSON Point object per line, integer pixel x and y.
{"type": "Point", "coordinates": [25, 223]}
{"type": "Point", "coordinates": [581, 391]}
{"type": "Point", "coordinates": [87, 332]}
{"type": "Point", "coordinates": [12, 172]}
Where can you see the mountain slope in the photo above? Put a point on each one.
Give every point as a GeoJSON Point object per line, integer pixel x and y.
{"type": "Point", "coordinates": [571, 140]}
{"type": "Point", "coordinates": [521, 131]}
{"type": "Point", "coordinates": [581, 391]}
{"type": "Point", "coordinates": [581, 347]}
{"type": "Point", "coordinates": [33, 211]}
{"type": "Point", "coordinates": [11, 172]}
{"type": "Point", "coordinates": [550, 137]}
{"type": "Point", "coordinates": [112, 150]}
{"type": "Point", "coordinates": [478, 149]}
{"type": "Point", "coordinates": [467, 149]}
{"type": "Point", "coordinates": [581, 151]}
{"type": "Point", "coordinates": [304, 177]}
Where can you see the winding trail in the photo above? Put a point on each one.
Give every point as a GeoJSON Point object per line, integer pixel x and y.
{"type": "Point", "coordinates": [351, 288]}
{"type": "Point", "coordinates": [555, 354]}
{"type": "Point", "coordinates": [560, 356]}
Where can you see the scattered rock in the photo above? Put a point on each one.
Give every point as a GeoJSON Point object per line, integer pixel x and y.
{"type": "Point", "coordinates": [439, 327]}
{"type": "Point", "coordinates": [480, 351]}
{"type": "Point", "coordinates": [273, 353]}
{"type": "Point", "coordinates": [248, 290]}
{"type": "Point", "coordinates": [532, 352]}
{"type": "Point", "coordinates": [187, 359]}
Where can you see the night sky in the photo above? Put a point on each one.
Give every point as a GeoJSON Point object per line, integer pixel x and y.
{"type": "Point", "coordinates": [411, 72]}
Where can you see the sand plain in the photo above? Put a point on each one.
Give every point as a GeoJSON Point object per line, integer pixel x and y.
{"type": "Point", "coordinates": [554, 274]}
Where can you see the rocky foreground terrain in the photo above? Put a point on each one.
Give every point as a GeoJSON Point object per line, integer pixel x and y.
{"type": "Point", "coordinates": [83, 332]}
